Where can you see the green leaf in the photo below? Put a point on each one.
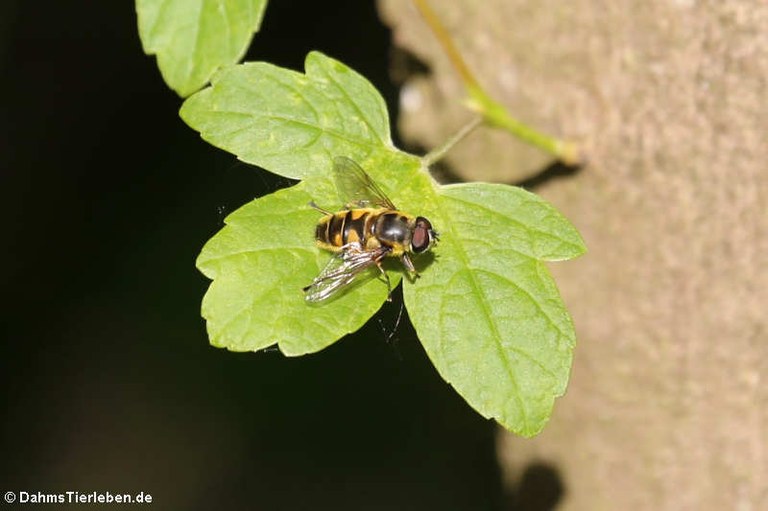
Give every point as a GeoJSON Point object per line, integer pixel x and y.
{"type": "Point", "coordinates": [487, 311]}
{"type": "Point", "coordinates": [290, 123]}
{"type": "Point", "coordinates": [193, 38]}
{"type": "Point", "coordinates": [266, 253]}
{"type": "Point", "coordinates": [259, 263]}
{"type": "Point", "coordinates": [485, 307]}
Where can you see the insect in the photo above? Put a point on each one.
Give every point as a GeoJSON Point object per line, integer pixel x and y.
{"type": "Point", "coordinates": [367, 230]}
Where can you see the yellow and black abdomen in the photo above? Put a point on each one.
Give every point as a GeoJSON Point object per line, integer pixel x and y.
{"type": "Point", "coordinates": [372, 228]}
{"type": "Point", "coordinates": [339, 229]}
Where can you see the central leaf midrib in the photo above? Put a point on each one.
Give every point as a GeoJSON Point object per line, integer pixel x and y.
{"type": "Point", "coordinates": [478, 291]}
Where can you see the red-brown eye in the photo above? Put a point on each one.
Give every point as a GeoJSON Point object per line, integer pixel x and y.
{"type": "Point", "coordinates": [422, 235]}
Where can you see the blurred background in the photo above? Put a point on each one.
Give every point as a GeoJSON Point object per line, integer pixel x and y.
{"type": "Point", "coordinates": [108, 380]}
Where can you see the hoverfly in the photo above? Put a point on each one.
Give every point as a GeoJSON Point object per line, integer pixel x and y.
{"type": "Point", "coordinates": [367, 230]}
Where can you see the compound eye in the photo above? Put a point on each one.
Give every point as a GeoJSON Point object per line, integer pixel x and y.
{"type": "Point", "coordinates": [422, 235]}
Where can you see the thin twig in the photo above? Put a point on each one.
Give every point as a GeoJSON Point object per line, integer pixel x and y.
{"type": "Point", "coordinates": [438, 153]}
{"type": "Point", "coordinates": [492, 112]}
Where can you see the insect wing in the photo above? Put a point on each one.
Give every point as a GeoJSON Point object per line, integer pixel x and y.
{"type": "Point", "coordinates": [356, 187]}
{"type": "Point", "coordinates": [341, 271]}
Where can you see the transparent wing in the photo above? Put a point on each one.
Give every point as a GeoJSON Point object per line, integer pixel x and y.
{"type": "Point", "coordinates": [356, 187]}
{"type": "Point", "coordinates": [342, 270]}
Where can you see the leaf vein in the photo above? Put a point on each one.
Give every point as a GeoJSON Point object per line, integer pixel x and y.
{"type": "Point", "coordinates": [478, 291]}
{"type": "Point", "coordinates": [538, 306]}
{"type": "Point", "coordinates": [322, 130]}
{"type": "Point", "coordinates": [193, 57]}
{"type": "Point", "coordinates": [357, 109]}
{"type": "Point", "coordinates": [495, 212]}
{"type": "Point", "coordinates": [530, 296]}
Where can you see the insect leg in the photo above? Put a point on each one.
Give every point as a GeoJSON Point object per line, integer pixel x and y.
{"type": "Point", "coordinates": [406, 260]}
{"type": "Point", "coordinates": [318, 208]}
{"type": "Point", "coordinates": [386, 278]}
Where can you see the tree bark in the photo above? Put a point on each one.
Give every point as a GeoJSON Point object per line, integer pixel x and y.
{"type": "Point", "coordinates": [668, 404]}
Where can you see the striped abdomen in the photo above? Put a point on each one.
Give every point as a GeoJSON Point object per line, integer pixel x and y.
{"type": "Point", "coordinates": [370, 227]}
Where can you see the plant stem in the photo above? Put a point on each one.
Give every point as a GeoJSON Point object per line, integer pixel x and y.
{"type": "Point", "coordinates": [491, 110]}
{"type": "Point", "coordinates": [447, 43]}
{"type": "Point", "coordinates": [495, 114]}
{"type": "Point", "coordinates": [437, 154]}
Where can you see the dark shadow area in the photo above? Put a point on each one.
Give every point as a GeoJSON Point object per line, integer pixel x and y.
{"type": "Point", "coordinates": [540, 489]}
{"type": "Point", "coordinates": [555, 170]}
{"type": "Point", "coordinates": [405, 65]}
{"type": "Point", "coordinates": [109, 383]}
{"type": "Point", "coordinates": [445, 173]}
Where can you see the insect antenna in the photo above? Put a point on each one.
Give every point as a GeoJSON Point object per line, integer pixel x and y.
{"type": "Point", "coordinates": [318, 208]}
